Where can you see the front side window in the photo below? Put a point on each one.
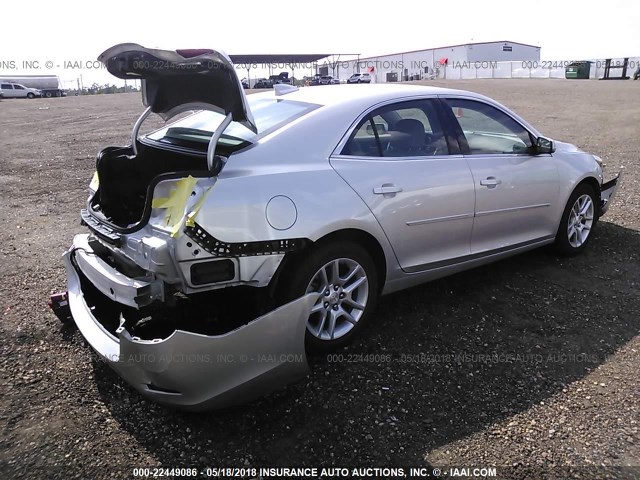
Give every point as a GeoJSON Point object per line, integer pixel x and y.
{"type": "Point", "coordinates": [407, 129]}
{"type": "Point", "coordinates": [489, 130]}
{"type": "Point", "coordinates": [18, 87]}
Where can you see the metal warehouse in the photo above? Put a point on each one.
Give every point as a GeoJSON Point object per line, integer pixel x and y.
{"type": "Point", "coordinates": [419, 64]}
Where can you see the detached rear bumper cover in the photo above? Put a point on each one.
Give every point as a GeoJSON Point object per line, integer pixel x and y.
{"type": "Point", "coordinates": [197, 371]}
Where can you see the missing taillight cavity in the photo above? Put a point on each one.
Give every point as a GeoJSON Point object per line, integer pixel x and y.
{"type": "Point", "coordinates": [204, 273]}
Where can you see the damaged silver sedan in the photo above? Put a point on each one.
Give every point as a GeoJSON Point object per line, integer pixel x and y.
{"type": "Point", "coordinates": [225, 245]}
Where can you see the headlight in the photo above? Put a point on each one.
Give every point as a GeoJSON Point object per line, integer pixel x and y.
{"type": "Point", "coordinates": [599, 161]}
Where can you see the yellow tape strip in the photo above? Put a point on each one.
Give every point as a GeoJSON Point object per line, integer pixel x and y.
{"type": "Point", "coordinates": [164, 202]}
{"type": "Point", "coordinates": [175, 203]}
{"type": "Point", "coordinates": [190, 222]}
{"type": "Point", "coordinates": [175, 211]}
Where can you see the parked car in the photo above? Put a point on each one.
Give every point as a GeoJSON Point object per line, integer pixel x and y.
{"type": "Point", "coordinates": [15, 90]}
{"type": "Point", "coordinates": [318, 201]}
{"type": "Point", "coordinates": [359, 78]}
{"type": "Point", "coordinates": [335, 81]}
{"type": "Point", "coordinates": [326, 80]}
{"type": "Point", "coordinates": [314, 80]}
{"type": "Point", "coordinates": [245, 83]}
{"type": "Point", "coordinates": [263, 83]}
{"type": "Point", "coordinates": [281, 78]}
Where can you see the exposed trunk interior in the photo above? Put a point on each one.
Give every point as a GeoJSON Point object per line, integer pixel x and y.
{"type": "Point", "coordinates": [125, 178]}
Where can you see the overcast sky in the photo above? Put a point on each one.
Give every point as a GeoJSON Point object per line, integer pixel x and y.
{"type": "Point", "coordinates": [74, 31]}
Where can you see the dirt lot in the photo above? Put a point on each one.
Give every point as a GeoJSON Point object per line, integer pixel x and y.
{"type": "Point", "coordinates": [532, 363]}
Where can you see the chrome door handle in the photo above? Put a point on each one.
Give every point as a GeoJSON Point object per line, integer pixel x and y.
{"type": "Point", "coordinates": [387, 189]}
{"type": "Point", "coordinates": [490, 182]}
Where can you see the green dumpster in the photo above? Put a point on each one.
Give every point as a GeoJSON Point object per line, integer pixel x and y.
{"type": "Point", "coordinates": [578, 70]}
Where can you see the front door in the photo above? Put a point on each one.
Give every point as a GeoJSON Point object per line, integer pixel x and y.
{"type": "Point", "coordinates": [516, 190]}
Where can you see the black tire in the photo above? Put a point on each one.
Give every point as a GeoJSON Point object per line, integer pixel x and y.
{"type": "Point", "coordinates": [30, 95]}
{"type": "Point", "coordinates": [569, 245]}
{"type": "Point", "coordinates": [48, 94]}
{"type": "Point", "coordinates": [297, 281]}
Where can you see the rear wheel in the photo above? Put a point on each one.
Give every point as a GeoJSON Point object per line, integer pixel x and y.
{"type": "Point", "coordinates": [578, 221]}
{"type": "Point", "coordinates": [346, 279]}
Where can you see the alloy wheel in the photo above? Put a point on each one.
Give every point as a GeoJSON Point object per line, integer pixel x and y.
{"type": "Point", "coordinates": [580, 221]}
{"type": "Point", "coordinates": [344, 291]}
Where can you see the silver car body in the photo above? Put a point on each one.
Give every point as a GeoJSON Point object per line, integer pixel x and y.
{"type": "Point", "coordinates": [422, 217]}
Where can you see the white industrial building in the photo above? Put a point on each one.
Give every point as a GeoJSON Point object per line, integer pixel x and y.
{"type": "Point", "coordinates": [431, 62]}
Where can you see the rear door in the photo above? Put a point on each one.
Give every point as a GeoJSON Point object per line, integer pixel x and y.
{"type": "Point", "coordinates": [420, 189]}
{"type": "Point", "coordinates": [516, 191]}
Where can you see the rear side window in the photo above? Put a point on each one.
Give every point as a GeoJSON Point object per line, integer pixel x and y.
{"type": "Point", "coordinates": [407, 129]}
{"type": "Point", "coordinates": [6, 86]}
{"type": "Point", "coordinates": [488, 130]}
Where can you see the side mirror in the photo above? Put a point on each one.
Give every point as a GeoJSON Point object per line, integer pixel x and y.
{"type": "Point", "coordinates": [545, 145]}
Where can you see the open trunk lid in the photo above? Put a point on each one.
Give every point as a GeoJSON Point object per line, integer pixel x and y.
{"type": "Point", "coordinates": [173, 82]}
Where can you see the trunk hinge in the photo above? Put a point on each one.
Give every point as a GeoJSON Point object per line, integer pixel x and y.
{"type": "Point", "coordinates": [211, 151]}
{"type": "Point", "coordinates": [136, 129]}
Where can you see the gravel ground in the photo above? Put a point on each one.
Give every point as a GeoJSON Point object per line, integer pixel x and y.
{"type": "Point", "coordinates": [531, 363]}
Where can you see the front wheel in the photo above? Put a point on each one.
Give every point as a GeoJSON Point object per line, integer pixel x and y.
{"type": "Point", "coordinates": [578, 221]}
{"type": "Point", "coordinates": [346, 279]}
{"type": "Point", "coordinates": [30, 95]}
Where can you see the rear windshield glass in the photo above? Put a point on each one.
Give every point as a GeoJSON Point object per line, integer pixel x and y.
{"type": "Point", "coordinates": [196, 130]}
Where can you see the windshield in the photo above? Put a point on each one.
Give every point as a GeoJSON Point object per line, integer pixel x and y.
{"type": "Point", "coordinates": [196, 130]}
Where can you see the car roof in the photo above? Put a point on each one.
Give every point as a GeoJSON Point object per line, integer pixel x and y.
{"type": "Point", "coordinates": [367, 93]}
